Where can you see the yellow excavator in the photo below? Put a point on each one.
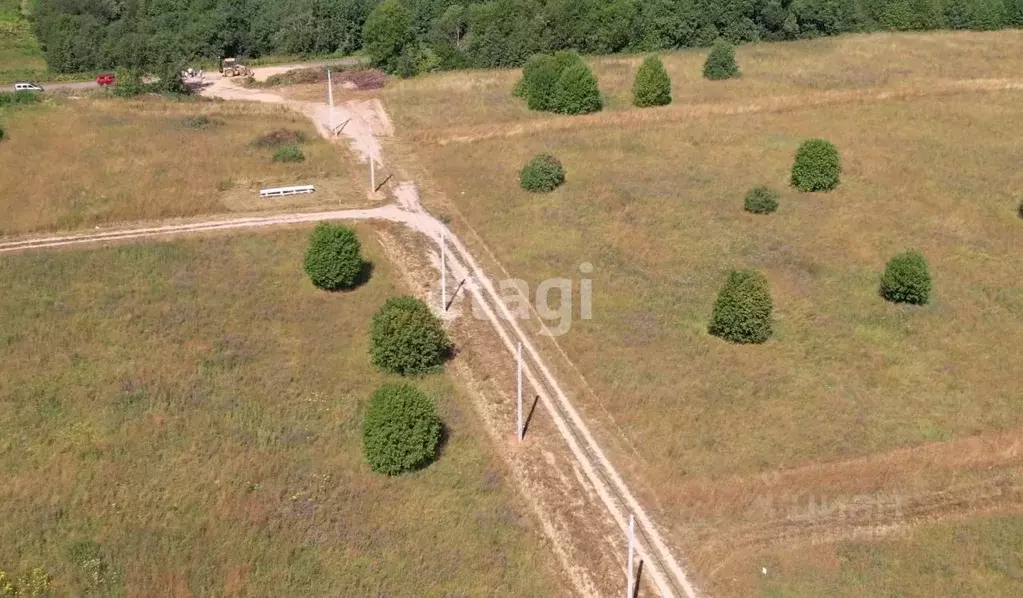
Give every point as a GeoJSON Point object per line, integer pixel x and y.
{"type": "Point", "coordinates": [230, 67]}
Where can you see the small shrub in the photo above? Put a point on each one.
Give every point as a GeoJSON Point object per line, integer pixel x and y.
{"type": "Point", "coordinates": [576, 91]}
{"type": "Point", "coordinates": [761, 200]}
{"type": "Point", "coordinates": [542, 174]}
{"type": "Point", "coordinates": [278, 138]}
{"type": "Point", "coordinates": [35, 583]}
{"type": "Point", "coordinates": [720, 62]}
{"type": "Point", "coordinates": [1019, 209]}
{"type": "Point", "coordinates": [652, 86]}
{"type": "Point", "coordinates": [817, 167]}
{"type": "Point", "coordinates": [401, 432]}
{"type": "Point", "coordinates": [200, 122]}
{"type": "Point", "coordinates": [333, 259]}
{"type": "Point", "coordinates": [742, 312]}
{"type": "Point", "coordinates": [405, 338]}
{"type": "Point", "coordinates": [3, 132]}
{"type": "Point", "coordinates": [290, 153]}
{"type": "Point", "coordinates": [906, 279]}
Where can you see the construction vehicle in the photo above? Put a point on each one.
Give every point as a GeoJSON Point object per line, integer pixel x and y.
{"type": "Point", "coordinates": [230, 67]}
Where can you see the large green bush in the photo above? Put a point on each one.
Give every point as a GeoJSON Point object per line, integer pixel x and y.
{"type": "Point", "coordinates": [401, 432]}
{"type": "Point", "coordinates": [761, 200]}
{"type": "Point", "coordinates": [742, 313]}
{"type": "Point", "coordinates": [720, 62]}
{"type": "Point", "coordinates": [576, 91]}
{"type": "Point", "coordinates": [652, 86]}
{"type": "Point", "coordinates": [540, 75]}
{"type": "Point", "coordinates": [405, 338]}
{"type": "Point", "coordinates": [817, 167]}
{"type": "Point", "coordinates": [906, 279]}
{"type": "Point", "coordinates": [333, 259]}
{"type": "Point", "coordinates": [541, 174]}
{"type": "Point", "coordinates": [128, 83]}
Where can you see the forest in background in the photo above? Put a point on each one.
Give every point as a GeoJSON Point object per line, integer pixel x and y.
{"type": "Point", "coordinates": [413, 36]}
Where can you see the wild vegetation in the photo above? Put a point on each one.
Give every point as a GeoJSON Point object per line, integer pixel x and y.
{"type": "Point", "coordinates": [190, 415]}
{"type": "Point", "coordinates": [409, 36]}
{"type": "Point", "coordinates": [720, 62]}
{"type": "Point", "coordinates": [401, 432]}
{"type": "Point", "coordinates": [761, 200]}
{"type": "Point", "coordinates": [652, 86]}
{"type": "Point", "coordinates": [333, 259]}
{"type": "Point", "coordinates": [406, 338]}
{"type": "Point", "coordinates": [817, 166]}
{"type": "Point", "coordinates": [543, 173]}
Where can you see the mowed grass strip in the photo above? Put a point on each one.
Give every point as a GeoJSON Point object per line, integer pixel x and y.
{"type": "Point", "coordinates": [194, 408]}
{"type": "Point", "coordinates": [75, 163]}
{"type": "Point", "coordinates": [659, 213]}
{"type": "Point", "coordinates": [975, 557]}
{"type": "Point", "coordinates": [845, 63]}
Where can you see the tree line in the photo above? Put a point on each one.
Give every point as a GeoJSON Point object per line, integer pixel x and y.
{"type": "Point", "coordinates": [411, 36]}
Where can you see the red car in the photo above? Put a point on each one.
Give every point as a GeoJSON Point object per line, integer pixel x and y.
{"type": "Point", "coordinates": [105, 79]}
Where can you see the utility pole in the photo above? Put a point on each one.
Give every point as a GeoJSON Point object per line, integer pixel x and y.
{"type": "Point", "coordinates": [330, 102]}
{"type": "Point", "coordinates": [632, 541]}
{"type": "Point", "coordinates": [443, 276]}
{"type": "Point", "coordinates": [521, 429]}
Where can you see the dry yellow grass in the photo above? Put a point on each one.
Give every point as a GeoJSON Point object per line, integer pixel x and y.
{"type": "Point", "coordinates": [653, 200]}
{"type": "Point", "coordinates": [75, 163]}
{"type": "Point", "coordinates": [853, 62]}
{"type": "Point", "coordinates": [184, 419]}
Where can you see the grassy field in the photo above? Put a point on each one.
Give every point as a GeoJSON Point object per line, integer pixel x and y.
{"type": "Point", "coordinates": [653, 200]}
{"type": "Point", "coordinates": [133, 160]}
{"type": "Point", "coordinates": [184, 418]}
{"type": "Point", "coordinates": [981, 557]}
{"type": "Point", "coordinates": [846, 63]}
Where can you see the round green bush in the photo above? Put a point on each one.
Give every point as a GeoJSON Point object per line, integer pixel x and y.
{"type": "Point", "coordinates": [401, 431]}
{"type": "Point", "coordinates": [817, 167]}
{"type": "Point", "coordinates": [652, 86]}
{"type": "Point", "coordinates": [906, 279]}
{"type": "Point", "coordinates": [291, 153]}
{"type": "Point", "coordinates": [720, 62]}
{"type": "Point", "coordinates": [761, 200]}
{"type": "Point", "coordinates": [333, 259]}
{"type": "Point", "coordinates": [542, 174]}
{"type": "Point", "coordinates": [742, 313]}
{"type": "Point", "coordinates": [576, 91]}
{"type": "Point", "coordinates": [539, 76]}
{"type": "Point", "coordinates": [406, 338]}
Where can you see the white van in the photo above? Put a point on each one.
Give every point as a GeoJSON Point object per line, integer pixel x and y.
{"type": "Point", "coordinates": [27, 87]}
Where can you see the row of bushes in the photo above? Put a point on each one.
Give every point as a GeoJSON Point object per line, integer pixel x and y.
{"type": "Point", "coordinates": [742, 311]}
{"type": "Point", "coordinates": [563, 83]}
{"type": "Point", "coordinates": [401, 431]}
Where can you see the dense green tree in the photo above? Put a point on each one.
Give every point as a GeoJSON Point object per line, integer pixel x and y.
{"type": "Point", "coordinates": [401, 432]}
{"type": "Point", "coordinates": [576, 91]}
{"type": "Point", "coordinates": [388, 35]}
{"type": "Point", "coordinates": [817, 167]}
{"type": "Point", "coordinates": [406, 338]}
{"type": "Point", "coordinates": [652, 86]}
{"type": "Point", "coordinates": [720, 63]}
{"type": "Point", "coordinates": [333, 259]}
{"type": "Point", "coordinates": [742, 312]}
{"type": "Point", "coordinates": [906, 279]}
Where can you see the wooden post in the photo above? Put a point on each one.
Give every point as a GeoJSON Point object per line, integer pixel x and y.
{"type": "Point", "coordinates": [632, 541]}
{"type": "Point", "coordinates": [330, 101]}
{"type": "Point", "coordinates": [521, 429]}
{"type": "Point", "coordinates": [443, 275]}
